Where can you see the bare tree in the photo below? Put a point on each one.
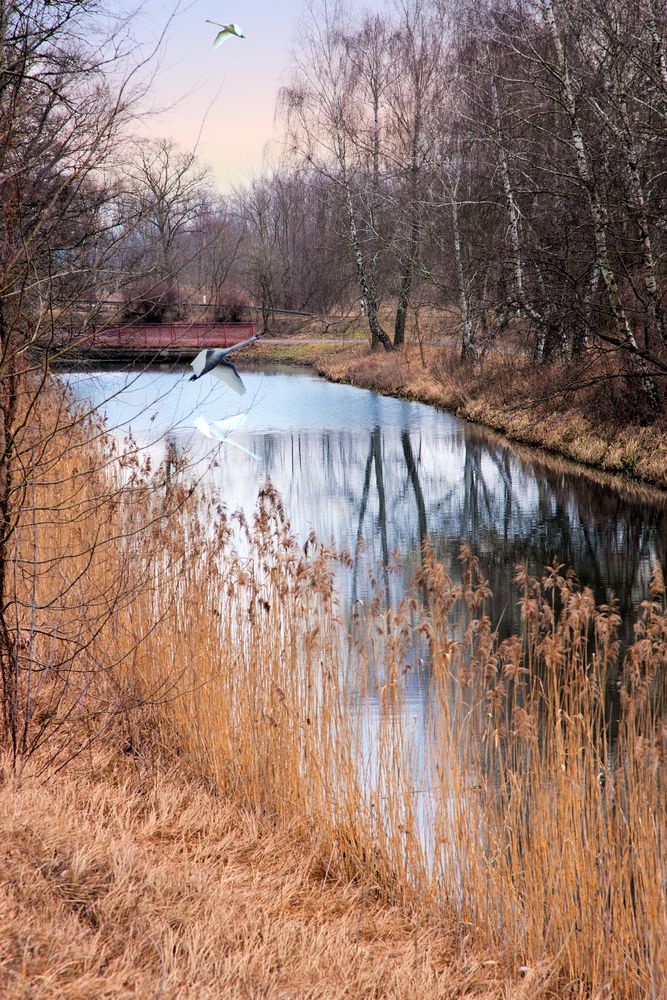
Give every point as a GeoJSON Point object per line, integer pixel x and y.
{"type": "Point", "coordinates": [166, 194]}
{"type": "Point", "coordinates": [322, 120]}
{"type": "Point", "coordinates": [68, 94]}
{"type": "Point", "coordinates": [417, 90]}
{"type": "Point", "coordinates": [210, 252]}
{"type": "Point", "coordinates": [261, 255]}
{"type": "Point", "coordinates": [555, 94]}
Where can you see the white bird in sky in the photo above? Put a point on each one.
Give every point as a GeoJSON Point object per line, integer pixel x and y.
{"type": "Point", "coordinates": [219, 430]}
{"type": "Point", "coordinates": [214, 360]}
{"type": "Point", "coordinates": [227, 31]}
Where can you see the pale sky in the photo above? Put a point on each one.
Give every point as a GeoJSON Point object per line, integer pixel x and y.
{"type": "Point", "coordinates": [228, 93]}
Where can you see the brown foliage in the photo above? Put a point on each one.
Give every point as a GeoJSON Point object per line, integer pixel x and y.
{"type": "Point", "coordinates": [122, 878]}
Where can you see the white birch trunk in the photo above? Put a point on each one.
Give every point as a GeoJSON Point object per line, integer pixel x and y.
{"type": "Point", "coordinates": [632, 164]}
{"type": "Point", "coordinates": [367, 292]}
{"type": "Point", "coordinates": [598, 211]}
{"type": "Point", "coordinates": [515, 236]}
{"type": "Point", "coordinates": [468, 346]}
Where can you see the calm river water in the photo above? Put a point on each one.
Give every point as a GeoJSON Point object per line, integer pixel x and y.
{"type": "Point", "coordinates": [378, 476]}
{"type": "Point", "coordinates": [358, 467]}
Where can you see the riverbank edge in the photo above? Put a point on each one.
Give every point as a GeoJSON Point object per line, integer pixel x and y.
{"type": "Point", "coordinates": [637, 455]}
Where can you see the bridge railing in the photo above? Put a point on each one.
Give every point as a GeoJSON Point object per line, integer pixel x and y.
{"type": "Point", "coordinates": [168, 336]}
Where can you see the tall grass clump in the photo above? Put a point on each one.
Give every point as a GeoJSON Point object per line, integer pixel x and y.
{"type": "Point", "coordinates": [529, 808]}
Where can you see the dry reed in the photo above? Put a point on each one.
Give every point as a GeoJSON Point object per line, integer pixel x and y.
{"type": "Point", "coordinates": [537, 823]}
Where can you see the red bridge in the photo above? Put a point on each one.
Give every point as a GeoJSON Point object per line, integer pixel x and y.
{"type": "Point", "coordinates": [152, 340]}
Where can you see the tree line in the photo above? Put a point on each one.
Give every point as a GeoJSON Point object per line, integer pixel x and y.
{"type": "Point", "coordinates": [505, 158]}
{"type": "Point", "coordinates": [502, 161]}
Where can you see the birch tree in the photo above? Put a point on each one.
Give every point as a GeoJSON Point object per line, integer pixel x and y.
{"type": "Point", "coordinates": [416, 90]}
{"type": "Point", "coordinates": [322, 117]}
{"type": "Point", "coordinates": [623, 334]}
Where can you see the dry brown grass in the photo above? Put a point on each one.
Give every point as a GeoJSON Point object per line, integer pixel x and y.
{"type": "Point", "coordinates": [122, 879]}
{"type": "Point", "coordinates": [292, 351]}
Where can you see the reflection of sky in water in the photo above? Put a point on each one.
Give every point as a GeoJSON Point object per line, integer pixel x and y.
{"type": "Point", "coordinates": [277, 400]}
{"type": "Point", "coordinates": [380, 475]}
{"type": "Point", "coordinates": [359, 467]}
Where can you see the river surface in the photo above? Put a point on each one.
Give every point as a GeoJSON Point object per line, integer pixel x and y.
{"type": "Point", "coordinates": [378, 476]}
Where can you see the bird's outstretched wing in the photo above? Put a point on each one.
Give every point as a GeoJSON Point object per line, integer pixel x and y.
{"type": "Point", "coordinates": [199, 363]}
{"type": "Point", "coordinates": [220, 433]}
{"type": "Point", "coordinates": [202, 425]}
{"type": "Point", "coordinates": [227, 31]}
{"type": "Point", "coordinates": [229, 424]}
{"type": "Point", "coordinates": [210, 360]}
{"type": "Point", "coordinates": [205, 361]}
{"type": "Point", "coordinates": [228, 374]}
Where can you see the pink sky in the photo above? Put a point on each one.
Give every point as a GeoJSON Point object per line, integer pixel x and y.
{"type": "Point", "coordinates": [228, 93]}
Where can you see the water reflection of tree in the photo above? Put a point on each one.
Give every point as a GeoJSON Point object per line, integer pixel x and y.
{"type": "Point", "coordinates": [609, 540]}
{"type": "Point", "coordinates": [374, 460]}
{"type": "Point", "coordinates": [388, 488]}
{"type": "Point", "coordinates": [412, 467]}
{"type": "Point", "coordinates": [509, 510]}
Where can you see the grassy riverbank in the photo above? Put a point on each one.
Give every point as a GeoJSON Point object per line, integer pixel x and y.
{"type": "Point", "coordinates": [128, 876]}
{"type": "Point", "coordinates": [217, 788]}
{"type": "Point", "coordinates": [157, 838]}
{"type": "Point", "coordinates": [594, 426]}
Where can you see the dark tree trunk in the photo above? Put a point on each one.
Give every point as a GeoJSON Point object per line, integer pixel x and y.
{"type": "Point", "coordinates": [406, 284]}
{"type": "Point", "coordinates": [7, 415]}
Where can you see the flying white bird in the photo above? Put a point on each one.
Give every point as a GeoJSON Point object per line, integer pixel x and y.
{"type": "Point", "coordinates": [227, 31]}
{"type": "Point", "coordinates": [219, 430]}
{"type": "Point", "coordinates": [213, 360]}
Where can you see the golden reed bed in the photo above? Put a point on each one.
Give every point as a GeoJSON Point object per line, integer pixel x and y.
{"type": "Point", "coordinates": [209, 654]}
